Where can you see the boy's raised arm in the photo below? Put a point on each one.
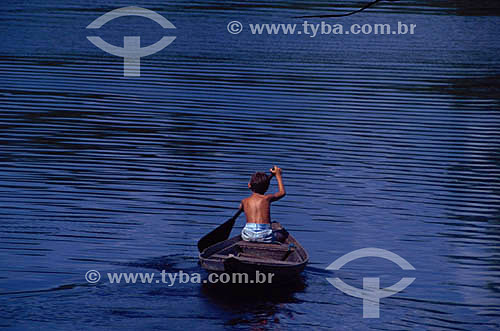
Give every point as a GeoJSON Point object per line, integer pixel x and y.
{"type": "Point", "coordinates": [281, 193]}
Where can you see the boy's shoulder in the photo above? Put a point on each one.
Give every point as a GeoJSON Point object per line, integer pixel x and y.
{"type": "Point", "coordinates": [256, 198]}
{"type": "Point", "coordinates": [249, 198]}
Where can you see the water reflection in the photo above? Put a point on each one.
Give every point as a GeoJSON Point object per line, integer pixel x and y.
{"type": "Point", "coordinates": [256, 306]}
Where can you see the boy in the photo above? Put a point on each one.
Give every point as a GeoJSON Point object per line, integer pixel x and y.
{"type": "Point", "coordinates": [257, 208]}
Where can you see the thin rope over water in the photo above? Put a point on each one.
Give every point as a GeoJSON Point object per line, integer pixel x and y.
{"type": "Point", "coordinates": [347, 14]}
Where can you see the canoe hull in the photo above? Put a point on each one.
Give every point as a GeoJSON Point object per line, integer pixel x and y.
{"type": "Point", "coordinates": [237, 256]}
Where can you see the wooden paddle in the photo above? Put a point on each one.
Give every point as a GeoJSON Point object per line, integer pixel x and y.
{"type": "Point", "coordinates": [221, 233]}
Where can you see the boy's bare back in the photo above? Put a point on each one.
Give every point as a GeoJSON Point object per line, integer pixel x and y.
{"type": "Point", "coordinates": [257, 207]}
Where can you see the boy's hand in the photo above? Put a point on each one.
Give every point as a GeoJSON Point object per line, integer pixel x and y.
{"type": "Point", "coordinates": [276, 171]}
{"type": "Point", "coordinates": [278, 195]}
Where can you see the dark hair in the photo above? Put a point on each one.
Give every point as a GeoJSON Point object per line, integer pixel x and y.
{"type": "Point", "coordinates": [259, 183]}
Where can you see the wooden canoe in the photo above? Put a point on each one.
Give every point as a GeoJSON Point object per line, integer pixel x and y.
{"type": "Point", "coordinates": [237, 256]}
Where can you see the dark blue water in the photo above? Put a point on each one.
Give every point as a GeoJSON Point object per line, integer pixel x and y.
{"type": "Point", "coordinates": [385, 141]}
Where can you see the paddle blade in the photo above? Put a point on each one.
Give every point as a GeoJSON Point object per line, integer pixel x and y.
{"type": "Point", "coordinates": [221, 233]}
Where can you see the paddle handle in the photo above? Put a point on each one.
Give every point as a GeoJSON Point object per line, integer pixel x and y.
{"type": "Point", "coordinates": [221, 233]}
{"type": "Point", "coordinates": [238, 213]}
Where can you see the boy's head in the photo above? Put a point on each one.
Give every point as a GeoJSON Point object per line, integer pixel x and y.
{"type": "Point", "coordinates": [259, 183]}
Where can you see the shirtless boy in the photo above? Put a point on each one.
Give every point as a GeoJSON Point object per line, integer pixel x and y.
{"type": "Point", "coordinates": [257, 208]}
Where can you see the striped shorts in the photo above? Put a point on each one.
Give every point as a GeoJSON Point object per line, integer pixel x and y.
{"type": "Point", "coordinates": [257, 233]}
